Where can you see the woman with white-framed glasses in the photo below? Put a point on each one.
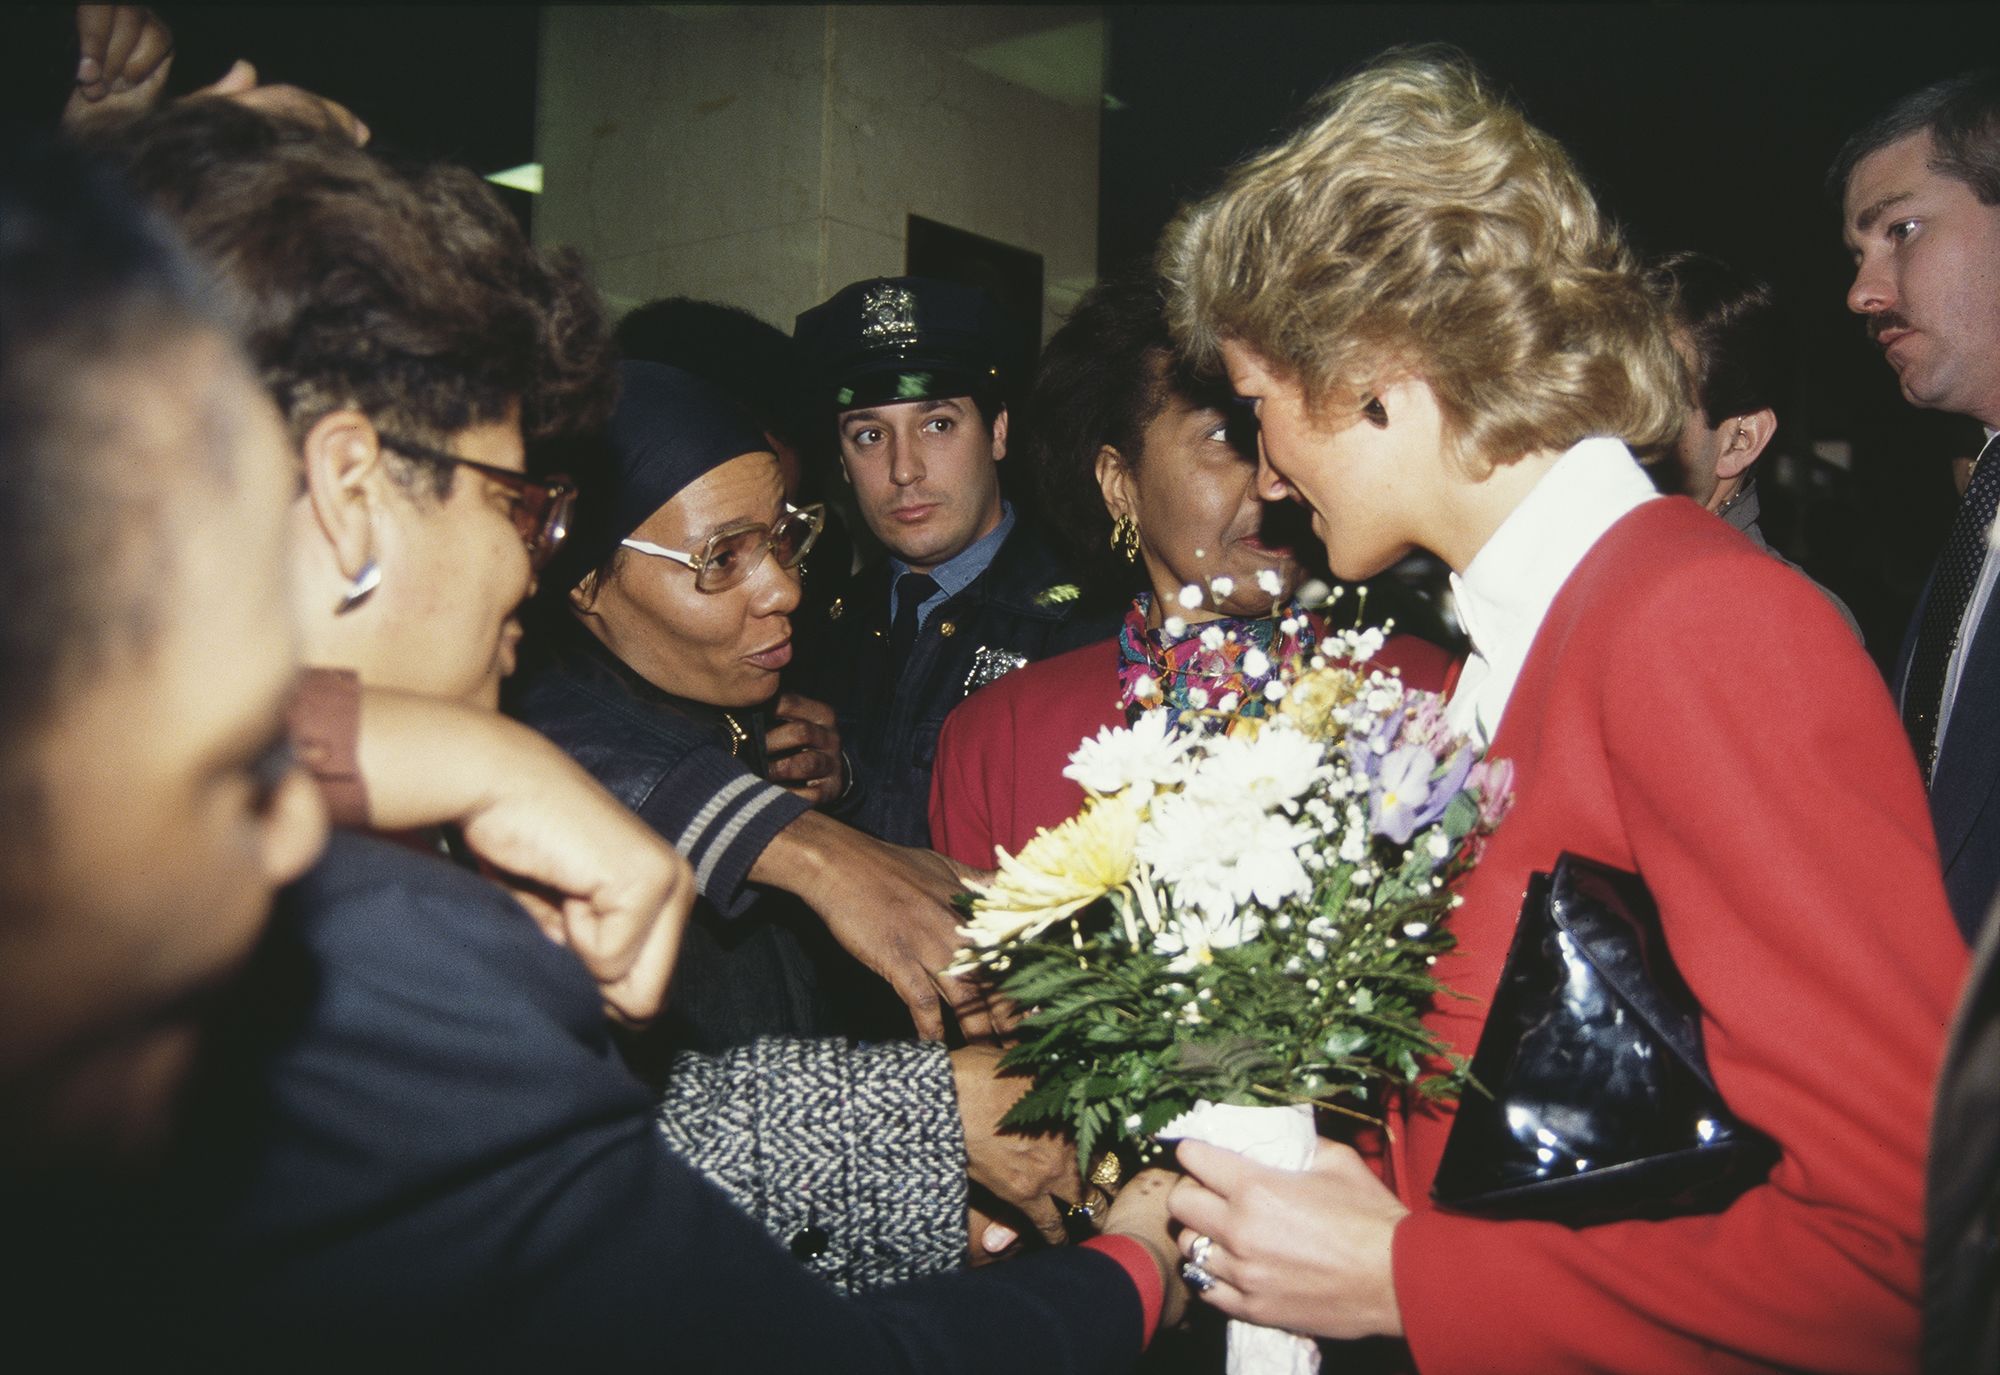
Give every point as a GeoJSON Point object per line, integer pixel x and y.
{"type": "Point", "coordinates": [656, 667]}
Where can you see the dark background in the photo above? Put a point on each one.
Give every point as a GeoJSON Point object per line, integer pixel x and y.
{"type": "Point", "coordinates": [1702, 126]}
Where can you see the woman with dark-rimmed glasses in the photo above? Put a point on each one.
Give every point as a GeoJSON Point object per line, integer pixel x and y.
{"type": "Point", "coordinates": [668, 622]}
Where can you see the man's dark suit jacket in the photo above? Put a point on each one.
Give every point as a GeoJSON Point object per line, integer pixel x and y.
{"type": "Point", "coordinates": [1965, 785]}
{"type": "Point", "coordinates": [436, 1156]}
{"type": "Point", "coordinates": [1962, 1203]}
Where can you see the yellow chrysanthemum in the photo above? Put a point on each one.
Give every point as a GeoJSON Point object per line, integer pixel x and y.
{"type": "Point", "coordinates": [1056, 874]}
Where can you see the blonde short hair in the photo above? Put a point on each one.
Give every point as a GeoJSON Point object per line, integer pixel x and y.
{"type": "Point", "coordinates": [1416, 223]}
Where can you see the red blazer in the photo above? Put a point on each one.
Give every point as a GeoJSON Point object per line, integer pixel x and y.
{"type": "Point", "coordinates": [1695, 711]}
{"type": "Point", "coordinates": [998, 775]}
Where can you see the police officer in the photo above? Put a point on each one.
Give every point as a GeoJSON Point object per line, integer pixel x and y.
{"type": "Point", "coordinates": [910, 368]}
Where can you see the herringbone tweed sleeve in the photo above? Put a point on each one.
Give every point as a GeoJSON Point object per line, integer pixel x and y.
{"type": "Point", "coordinates": [856, 1146]}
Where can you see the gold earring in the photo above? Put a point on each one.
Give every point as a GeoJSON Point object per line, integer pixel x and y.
{"type": "Point", "coordinates": [1125, 538]}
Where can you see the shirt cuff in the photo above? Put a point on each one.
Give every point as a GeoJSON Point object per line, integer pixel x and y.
{"type": "Point", "coordinates": [325, 725]}
{"type": "Point", "coordinates": [735, 816]}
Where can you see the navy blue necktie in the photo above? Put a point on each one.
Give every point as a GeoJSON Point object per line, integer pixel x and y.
{"type": "Point", "coordinates": [1944, 610]}
{"type": "Point", "coordinates": [912, 591]}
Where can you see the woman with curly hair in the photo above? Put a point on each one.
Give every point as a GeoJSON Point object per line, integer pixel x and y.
{"type": "Point", "coordinates": [1141, 466]}
{"type": "Point", "coordinates": [1448, 347]}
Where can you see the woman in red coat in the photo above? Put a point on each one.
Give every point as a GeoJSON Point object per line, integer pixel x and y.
{"type": "Point", "coordinates": [1111, 413]}
{"type": "Point", "coordinates": [1447, 348]}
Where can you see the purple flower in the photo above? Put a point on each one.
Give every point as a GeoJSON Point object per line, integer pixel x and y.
{"type": "Point", "coordinates": [1457, 770]}
{"type": "Point", "coordinates": [1406, 797]}
{"type": "Point", "coordinates": [1402, 787]}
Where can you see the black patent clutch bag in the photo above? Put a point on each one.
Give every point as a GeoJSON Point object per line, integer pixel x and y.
{"type": "Point", "coordinates": [1598, 1103]}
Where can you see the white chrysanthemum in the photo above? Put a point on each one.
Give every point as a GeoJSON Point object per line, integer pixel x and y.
{"type": "Point", "coordinates": [1217, 856]}
{"type": "Point", "coordinates": [1146, 754]}
{"type": "Point", "coordinates": [1191, 936]}
{"type": "Point", "coordinates": [1265, 770]}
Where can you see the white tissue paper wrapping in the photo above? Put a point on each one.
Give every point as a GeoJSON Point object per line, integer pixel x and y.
{"type": "Point", "coordinates": [1281, 1137]}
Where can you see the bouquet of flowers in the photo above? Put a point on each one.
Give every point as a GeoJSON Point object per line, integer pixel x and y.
{"type": "Point", "coordinates": [1246, 910]}
{"type": "Point", "coordinates": [1244, 914]}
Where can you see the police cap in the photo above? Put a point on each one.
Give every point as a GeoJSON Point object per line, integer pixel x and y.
{"type": "Point", "coordinates": [902, 339]}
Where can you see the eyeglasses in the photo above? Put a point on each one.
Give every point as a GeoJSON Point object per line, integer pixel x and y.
{"type": "Point", "coordinates": [728, 557]}
{"type": "Point", "coordinates": [540, 509]}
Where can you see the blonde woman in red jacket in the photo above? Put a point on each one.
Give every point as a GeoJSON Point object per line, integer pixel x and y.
{"type": "Point", "coordinates": [1448, 348]}
{"type": "Point", "coordinates": [1139, 469]}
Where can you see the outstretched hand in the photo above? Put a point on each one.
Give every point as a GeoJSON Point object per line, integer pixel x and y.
{"type": "Point", "coordinates": [805, 750]}
{"type": "Point", "coordinates": [125, 54]}
{"type": "Point", "coordinates": [1027, 1171]}
{"type": "Point", "coordinates": [1307, 1251]}
{"type": "Point", "coordinates": [293, 103]}
{"type": "Point", "coordinates": [593, 876]}
{"type": "Point", "coordinates": [890, 906]}
{"type": "Point", "coordinates": [597, 880]}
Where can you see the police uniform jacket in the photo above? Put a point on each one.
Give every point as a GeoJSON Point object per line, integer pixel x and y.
{"type": "Point", "coordinates": [1024, 607]}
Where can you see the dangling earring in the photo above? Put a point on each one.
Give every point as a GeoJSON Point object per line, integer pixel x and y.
{"type": "Point", "coordinates": [1125, 538]}
{"type": "Point", "coordinates": [360, 587]}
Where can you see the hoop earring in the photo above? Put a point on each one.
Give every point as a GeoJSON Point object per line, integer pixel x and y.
{"type": "Point", "coordinates": [360, 587]}
{"type": "Point", "coordinates": [1125, 538]}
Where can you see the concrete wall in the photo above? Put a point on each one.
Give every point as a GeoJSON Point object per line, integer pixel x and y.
{"type": "Point", "coordinates": [768, 155]}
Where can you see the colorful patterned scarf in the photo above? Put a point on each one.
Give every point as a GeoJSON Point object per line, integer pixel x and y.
{"type": "Point", "coordinates": [1224, 664]}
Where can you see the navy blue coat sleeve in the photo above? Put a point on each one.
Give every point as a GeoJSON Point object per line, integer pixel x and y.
{"type": "Point", "coordinates": [451, 1160]}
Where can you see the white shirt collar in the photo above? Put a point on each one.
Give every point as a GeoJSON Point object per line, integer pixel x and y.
{"type": "Point", "coordinates": [1507, 589]}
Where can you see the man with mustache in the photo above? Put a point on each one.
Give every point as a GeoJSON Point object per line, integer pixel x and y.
{"type": "Point", "coordinates": [1920, 190]}
{"type": "Point", "coordinates": [1920, 210]}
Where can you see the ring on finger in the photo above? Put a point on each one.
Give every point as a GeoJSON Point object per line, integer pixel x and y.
{"type": "Point", "coordinates": [1194, 1271]}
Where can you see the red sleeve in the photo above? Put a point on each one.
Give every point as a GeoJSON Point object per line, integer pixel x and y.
{"type": "Point", "coordinates": [1143, 1271]}
{"type": "Point", "coordinates": [1774, 810]}
{"type": "Point", "coordinates": [1420, 663]}
{"type": "Point", "coordinates": [962, 825]}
